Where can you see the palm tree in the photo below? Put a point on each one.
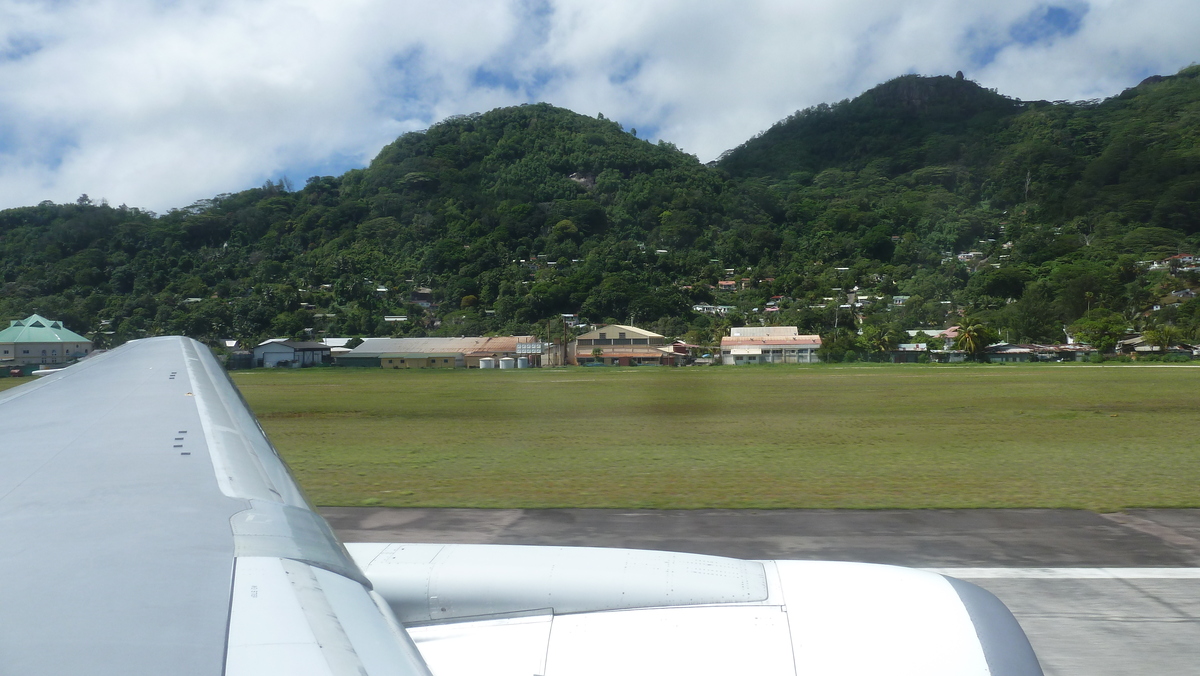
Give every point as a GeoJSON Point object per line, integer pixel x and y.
{"type": "Point", "coordinates": [1162, 337]}
{"type": "Point", "coordinates": [880, 340]}
{"type": "Point", "coordinates": [973, 337]}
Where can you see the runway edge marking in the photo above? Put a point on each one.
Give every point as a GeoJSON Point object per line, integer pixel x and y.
{"type": "Point", "coordinates": [1070, 573]}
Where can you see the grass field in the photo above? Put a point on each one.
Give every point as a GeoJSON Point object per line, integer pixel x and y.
{"type": "Point", "coordinates": [757, 437]}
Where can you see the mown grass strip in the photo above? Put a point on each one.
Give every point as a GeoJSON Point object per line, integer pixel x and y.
{"type": "Point", "coordinates": [776, 437]}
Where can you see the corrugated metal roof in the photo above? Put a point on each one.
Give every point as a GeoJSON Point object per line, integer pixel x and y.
{"type": "Point", "coordinates": [631, 355]}
{"type": "Point", "coordinates": [303, 345]}
{"type": "Point", "coordinates": [744, 350]}
{"type": "Point", "coordinates": [763, 331]}
{"type": "Point", "coordinates": [291, 344]}
{"type": "Point", "coordinates": [607, 329]}
{"type": "Point", "coordinates": [38, 329]}
{"type": "Point", "coordinates": [376, 346]}
{"type": "Point", "coordinates": [796, 341]}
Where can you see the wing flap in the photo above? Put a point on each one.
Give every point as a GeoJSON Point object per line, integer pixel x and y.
{"type": "Point", "coordinates": [292, 619]}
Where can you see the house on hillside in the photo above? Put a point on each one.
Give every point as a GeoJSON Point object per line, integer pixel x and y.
{"type": "Point", "coordinates": [718, 310]}
{"type": "Point", "coordinates": [37, 340]}
{"type": "Point", "coordinates": [278, 352]}
{"type": "Point", "coordinates": [769, 345]}
{"type": "Point", "coordinates": [423, 296]}
{"type": "Point", "coordinates": [938, 338]}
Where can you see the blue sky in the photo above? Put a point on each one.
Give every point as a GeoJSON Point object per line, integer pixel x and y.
{"type": "Point", "coordinates": [158, 104]}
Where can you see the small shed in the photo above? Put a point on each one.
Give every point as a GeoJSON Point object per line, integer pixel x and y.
{"type": "Point", "coordinates": [290, 353]}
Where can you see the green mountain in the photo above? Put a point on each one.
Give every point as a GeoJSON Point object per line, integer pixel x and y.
{"type": "Point", "coordinates": [515, 216]}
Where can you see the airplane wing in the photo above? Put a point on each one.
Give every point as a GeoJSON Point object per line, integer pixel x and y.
{"type": "Point", "coordinates": [149, 527]}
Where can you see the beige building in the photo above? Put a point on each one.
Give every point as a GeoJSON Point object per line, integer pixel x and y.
{"type": "Point", "coordinates": [419, 360]}
{"type": "Point", "coordinates": [621, 345]}
{"type": "Point", "coordinates": [769, 345]}
{"type": "Point", "coordinates": [37, 340]}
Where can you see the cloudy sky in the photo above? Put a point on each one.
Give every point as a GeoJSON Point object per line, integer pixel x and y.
{"type": "Point", "coordinates": [159, 103]}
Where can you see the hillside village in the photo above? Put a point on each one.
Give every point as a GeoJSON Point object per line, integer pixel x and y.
{"type": "Point", "coordinates": [864, 223]}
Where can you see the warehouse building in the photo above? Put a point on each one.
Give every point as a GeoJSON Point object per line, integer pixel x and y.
{"type": "Point", "coordinates": [37, 340]}
{"type": "Point", "coordinates": [462, 352]}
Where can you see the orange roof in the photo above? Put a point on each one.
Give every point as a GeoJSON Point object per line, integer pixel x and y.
{"type": "Point", "coordinates": [639, 355]}
{"type": "Point", "coordinates": [729, 341]}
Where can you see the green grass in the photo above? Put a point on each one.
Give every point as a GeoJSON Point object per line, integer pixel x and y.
{"type": "Point", "coordinates": [752, 437]}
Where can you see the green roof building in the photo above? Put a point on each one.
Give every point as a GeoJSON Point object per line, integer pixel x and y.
{"type": "Point", "coordinates": [37, 340]}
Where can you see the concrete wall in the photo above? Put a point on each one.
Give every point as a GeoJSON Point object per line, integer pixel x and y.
{"type": "Point", "coordinates": [772, 355]}
{"type": "Point", "coordinates": [441, 362]}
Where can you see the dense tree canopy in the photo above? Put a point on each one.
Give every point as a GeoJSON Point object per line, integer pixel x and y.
{"type": "Point", "coordinates": [1029, 217]}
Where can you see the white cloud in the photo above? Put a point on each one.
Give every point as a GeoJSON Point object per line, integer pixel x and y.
{"type": "Point", "coordinates": [159, 104]}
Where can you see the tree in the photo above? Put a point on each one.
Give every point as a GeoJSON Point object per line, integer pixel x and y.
{"type": "Point", "coordinates": [973, 338]}
{"type": "Point", "coordinates": [1162, 337]}
{"type": "Point", "coordinates": [1032, 318]}
{"type": "Point", "coordinates": [1100, 328]}
{"type": "Point", "coordinates": [837, 345]}
{"type": "Point", "coordinates": [878, 340]}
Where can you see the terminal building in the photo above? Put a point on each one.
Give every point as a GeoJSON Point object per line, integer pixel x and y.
{"type": "Point", "coordinates": [37, 340]}
{"type": "Point", "coordinates": [621, 345]}
{"type": "Point", "coordinates": [769, 345]}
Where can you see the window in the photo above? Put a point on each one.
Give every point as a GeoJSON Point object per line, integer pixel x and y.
{"type": "Point", "coordinates": [621, 334]}
{"type": "Point", "coordinates": [603, 336]}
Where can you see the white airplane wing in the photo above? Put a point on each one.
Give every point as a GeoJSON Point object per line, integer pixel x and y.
{"type": "Point", "coordinates": [149, 527]}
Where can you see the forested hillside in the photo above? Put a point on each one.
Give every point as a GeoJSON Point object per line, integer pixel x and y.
{"type": "Point", "coordinates": [1025, 216]}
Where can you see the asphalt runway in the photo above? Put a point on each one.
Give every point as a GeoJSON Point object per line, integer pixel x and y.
{"type": "Point", "coordinates": [1098, 595]}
